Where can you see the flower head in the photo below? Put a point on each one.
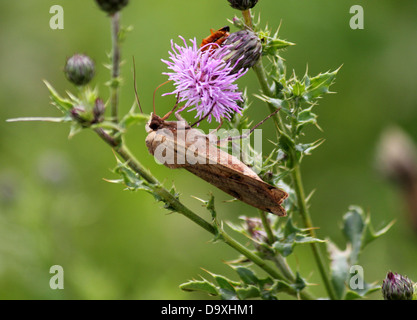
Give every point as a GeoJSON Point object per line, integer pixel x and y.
{"type": "Point", "coordinates": [397, 287]}
{"type": "Point", "coordinates": [79, 69]}
{"type": "Point", "coordinates": [112, 6]}
{"type": "Point", "coordinates": [204, 80]}
{"type": "Point", "coordinates": [242, 4]}
{"type": "Point", "coordinates": [245, 49]}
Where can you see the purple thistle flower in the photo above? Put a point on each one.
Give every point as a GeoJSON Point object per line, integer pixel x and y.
{"type": "Point", "coordinates": [204, 81]}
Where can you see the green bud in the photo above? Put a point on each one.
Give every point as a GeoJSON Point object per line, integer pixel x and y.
{"type": "Point", "coordinates": [79, 114]}
{"type": "Point", "coordinates": [112, 6]}
{"type": "Point", "coordinates": [397, 287]}
{"type": "Point", "coordinates": [79, 69]}
{"type": "Point", "coordinates": [242, 4]}
{"type": "Point", "coordinates": [245, 50]}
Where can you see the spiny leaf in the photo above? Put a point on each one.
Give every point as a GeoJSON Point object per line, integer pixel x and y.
{"type": "Point", "coordinates": [246, 275]}
{"type": "Point", "coordinates": [202, 285]}
{"type": "Point", "coordinates": [318, 85]}
{"type": "Point", "coordinates": [248, 292]}
{"type": "Point", "coordinates": [42, 119]}
{"type": "Point", "coordinates": [75, 129]}
{"type": "Point", "coordinates": [359, 231]}
{"type": "Point", "coordinates": [132, 118]}
{"type": "Point", "coordinates": [292, 236]}
{"type": "Point", "coordinates": [339, 267]}
{"type": "Point", "coordinates": [370, 235]}
{"type": "Point", "coordinates": [62, 104]}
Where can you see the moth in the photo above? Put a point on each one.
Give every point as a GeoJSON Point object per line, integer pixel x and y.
{"type": "Point", "coordinates": [177, 145]}
{"type": "Point", "coordinates": [216, 36]}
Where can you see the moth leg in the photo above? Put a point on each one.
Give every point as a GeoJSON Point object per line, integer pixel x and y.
{"type": "Point", "coordinates": [218, 127]}
{"type": "Point", "coordinates": [173, 109]}
{"type": "Point", "coordinates": [208, 113]}
{"type": "Point", "coordinates": [179, 117]}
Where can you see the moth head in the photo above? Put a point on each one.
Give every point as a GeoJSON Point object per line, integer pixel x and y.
{"type": "Point", "coordinates": [154, 123]}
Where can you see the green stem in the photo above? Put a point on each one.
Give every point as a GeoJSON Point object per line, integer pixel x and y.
{"type": "Point", "coordinates": [115, 71]}
{"type": "Point", "coordinates": [279, 261]}
{"type": "Point", "coordinates": [266, 89]}
{"type": "Point", "coordinates": [248, 18]}
{"type": "Point", "coordinates": [305, 214]}
{"type": "Point", "coordinates": [267, 227]}
{"type": "Point", "coordinates": [262, 264]}
{"type": "Point", "coordinates": [173, 202]}
{"type": "Point", "coordinates": [296, 173]}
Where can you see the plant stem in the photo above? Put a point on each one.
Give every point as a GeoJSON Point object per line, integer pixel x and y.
{"type": "Point", "coordinates": [115, 71]}
{"type": "Point", "coordinates": [296, 173]}
{"type": "Point", "coordinates": [248, 18]}
{"type": "Point", "coordinates": [267, 227]}
{"type": "Point", "coordinates": [261, 263]}
{"type": "Point", "coordinates": [173, 202]}
{"type": "Point", "coordinates": [279, 261]}
{"type": "Point", "coordinates": [266, 89]}
{"type": "Point", "coordinates": [305, 214]}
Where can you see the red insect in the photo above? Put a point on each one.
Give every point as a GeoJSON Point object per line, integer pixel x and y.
{"type": "Point", "coordinates": [218, 37]}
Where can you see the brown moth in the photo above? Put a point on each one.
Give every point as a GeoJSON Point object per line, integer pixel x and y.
{"type": "Point", "coordinates": [177, 145]}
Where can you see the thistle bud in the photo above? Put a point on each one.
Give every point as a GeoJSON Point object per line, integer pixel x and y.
{"type": "Point", "coordinates": [245, 49]}
{"type": "Point", "coordinates": [112, 6]}
{"type": "Point", "coordinates": [98, 111]}
{"type": "Point", "coordinates": [242, 4]}
{"type": "Point", "coordinates": [79, 69]}
{"type": "Point", "coordinates": [397, 287]}
{"type": "Point", "coordinates": [255, 229]}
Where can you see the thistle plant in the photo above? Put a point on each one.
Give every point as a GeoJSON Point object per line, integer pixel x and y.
{"type": "Point", "coordinates": [205, 84]}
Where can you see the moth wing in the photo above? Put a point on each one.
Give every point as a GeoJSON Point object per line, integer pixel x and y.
{"type": "Point", "coordinates": [254, 192]}
{"type": "Point", "coordinates": [229, 174]}
{"type": "Point", "coordinates": [193, 151]}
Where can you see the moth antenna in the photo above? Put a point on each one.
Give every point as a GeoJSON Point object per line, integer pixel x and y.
{"type": "Point", "coordinates": [154, 93]}
{"type": "Point", "coordinates": [173, 109]}
{"type": "Point", "coordinates": [134, 84]}
{"type": "Point", "coordinates": [253, 129]}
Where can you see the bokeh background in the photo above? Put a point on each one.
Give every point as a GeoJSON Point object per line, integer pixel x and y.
{"type": "Point", "coordinates": [55, 207]}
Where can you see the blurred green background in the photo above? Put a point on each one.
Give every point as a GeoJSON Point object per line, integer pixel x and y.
{"type": "Point", "coordinates": [55, 208]}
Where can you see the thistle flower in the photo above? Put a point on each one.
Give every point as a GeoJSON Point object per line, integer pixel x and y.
{"type": "Point", "coordinates": [242, 4]}
{"type": "Point", "coordinates": [112, 6]}
{"type": "Point", "coordinates": [397, 287]}
{"type": "Point", "coordinates": [245, 49]}
{"type": "Point", "coordinates": [79, 69]}
{"type": "Point", "coordinates": [204, 81]}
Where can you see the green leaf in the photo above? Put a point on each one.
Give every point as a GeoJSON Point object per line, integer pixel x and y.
{"type": "Point", "coordinates": [359, 231]}
{"type": "Point", "coordinates": [248, 276]}
{"type": "Point", "coordinates": [75, 129]}
{"type": "Point", "coordinates": [130, 178]}
{"type": "Point", "coordinates": [353, 226]}
{"type": "Point", "coordinates": [287, 146]}
{"type": "Point", "coordinates": [248, 292]}
{"type": "Point", "coordinates": [298, 88]}
{"type": "Point", "coordinates": [305, 149]}
{"type": "Point", "coordinates": [62, 104]}
{"type": "Point", "coordinates": [370, 235]}
{"type": "Point", "coordinates": [42, 119]}
{"type": "Point", "coordinates": [304, 118]}
{"type": "Point", "coordinates": [339, 267]}
{"type": "Point", "coordinates": [291, 237]}
{"type": "Point", "coordinates": [202, 285]}
{"type": "Point", "coordinates": [319, 85]}
{"type": "Point", "coordinates": [361, 293]}
{"type": "Point", "coordinates": [133, 118]}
